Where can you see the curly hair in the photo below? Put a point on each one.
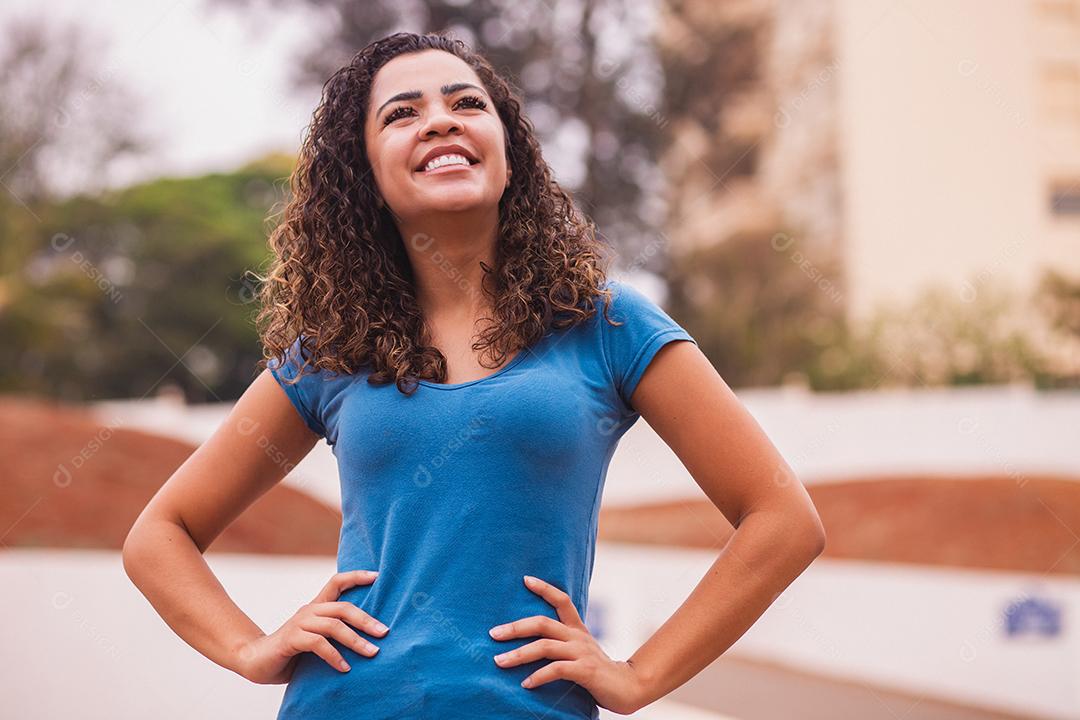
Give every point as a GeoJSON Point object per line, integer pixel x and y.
{"type": "Point", "coordinates": [340, 283]}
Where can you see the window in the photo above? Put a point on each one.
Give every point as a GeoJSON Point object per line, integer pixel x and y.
{"type": "Point", "coordinates": [1065, 198]}
{"type": "Point", "coordinates": [1061, 92]}
{"type": "Point", "coordinates": [1059, 13]}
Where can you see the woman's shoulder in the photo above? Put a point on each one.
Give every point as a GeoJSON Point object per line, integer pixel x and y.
{"type": "Point", "coordinates": [299, 359]}
{"type": "Point", "coordinates": [627, 301]}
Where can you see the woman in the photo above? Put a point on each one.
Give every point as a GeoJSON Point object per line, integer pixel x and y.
{"type": "Point", "coordinates": [425, 227]}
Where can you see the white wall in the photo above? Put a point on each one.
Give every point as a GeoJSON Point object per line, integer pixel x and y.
{"type": "Point", "coordinates": [932, 632]}
{"type": "Point", "coordinates": [1011, 431]}
{"type": "Point", "coordinates": [80, 641]}
{"type": "Point", "coordinates": [88, 645]}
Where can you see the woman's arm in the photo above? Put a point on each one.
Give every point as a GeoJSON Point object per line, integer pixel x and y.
{"type": "Point", "coordinates": [777, 530]}
{"type": "Point", "coordinates": [253, 449]}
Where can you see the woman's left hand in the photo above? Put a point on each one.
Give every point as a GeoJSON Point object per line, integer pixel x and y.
{"type": "Point", "coordinates": [615, 685]}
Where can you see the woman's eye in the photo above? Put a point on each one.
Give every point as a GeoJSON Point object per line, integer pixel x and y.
{"type": "Point", "coordinates": [472, 100]}
{"type": "Point", "coordinates": [394, 115]}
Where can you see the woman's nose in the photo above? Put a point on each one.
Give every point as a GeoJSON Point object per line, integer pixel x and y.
{"type": "Point", "coordinates": [440, 122]}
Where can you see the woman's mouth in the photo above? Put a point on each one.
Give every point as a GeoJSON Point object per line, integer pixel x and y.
{"type": "Point", "coordinates": [443, 169]}
{"type": "Point", "coordinates": [448, 163]}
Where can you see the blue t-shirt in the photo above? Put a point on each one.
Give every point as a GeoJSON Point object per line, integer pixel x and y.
{"type": "Point", "coordinates": [456, 492]}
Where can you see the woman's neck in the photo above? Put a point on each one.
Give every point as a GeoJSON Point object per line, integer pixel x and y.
{"type": "Point", "coordinates": [446, 253]}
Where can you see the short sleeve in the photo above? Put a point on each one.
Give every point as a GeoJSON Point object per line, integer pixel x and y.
{"type": "Point", "coordinates": [631, 346]}
{"type": "Point", "coordinates": [305, 393]}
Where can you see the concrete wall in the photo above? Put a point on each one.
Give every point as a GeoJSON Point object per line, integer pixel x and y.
{"type": "Point", "coordinates": [80, 641]}
{"type": "Point", "coordinates": [934, 632]}
{"type": "Point", "coordinates": [1009, 431]}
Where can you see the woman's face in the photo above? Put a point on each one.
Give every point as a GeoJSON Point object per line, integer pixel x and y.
{"type": "Point", "coordinates": [409, 116]}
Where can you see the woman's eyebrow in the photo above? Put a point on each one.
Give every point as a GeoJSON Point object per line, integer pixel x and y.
{"type": "Point", "coordinates": [417, 94]}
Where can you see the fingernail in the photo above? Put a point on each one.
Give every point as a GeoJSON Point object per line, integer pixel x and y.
{"type": "Point", "coordinates": [526, 683]}
{"type": "Point", "coordinates": [498, 631]}
{"type": "Point", "coordinates": [344, 666]}
{"type": "Point", "coordinates": [380, 627]}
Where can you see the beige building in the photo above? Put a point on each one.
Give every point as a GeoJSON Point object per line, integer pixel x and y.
{"type": "Point", "coordinates": [923, 142]}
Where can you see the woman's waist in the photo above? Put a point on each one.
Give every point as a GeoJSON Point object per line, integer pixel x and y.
{"type": "Point", "coordinates": [463, 592]}
{"type": "Point", "coordinates": [435, 674]}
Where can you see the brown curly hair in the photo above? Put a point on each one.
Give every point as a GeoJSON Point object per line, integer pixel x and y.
{"type": "Point", "coordinates": [340, 280]}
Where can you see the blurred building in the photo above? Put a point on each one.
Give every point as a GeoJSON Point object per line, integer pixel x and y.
{"type": "Point", "coordinates": [913, 143]}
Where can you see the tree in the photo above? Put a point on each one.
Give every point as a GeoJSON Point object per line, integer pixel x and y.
{"type": "Point", "coordinates": [63, 121]}
{"type": "Point", "coordinates": [64, 118]}
{"type": "Point", "coordinates": [757, 311]}
{"type": "Point", "coordinates": [144, 286]}
{"type": "Point", "coordinates": [1058, 298]}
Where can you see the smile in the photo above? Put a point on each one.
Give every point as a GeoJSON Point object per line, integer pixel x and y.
{"type": "Point", "coordinates": [442, 169]}
{"type": "Point", "coordinates": [445, 163]}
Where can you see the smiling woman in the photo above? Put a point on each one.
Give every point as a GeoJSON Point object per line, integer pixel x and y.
{"type": "Point", "coordinates": [425, 226]}
{"type": "Point", "coordinates": [420, 176]}
{"type": "Point", "coordinates": [388, 253]}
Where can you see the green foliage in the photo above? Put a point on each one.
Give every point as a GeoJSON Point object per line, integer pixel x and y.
{"type": "Point", "coordinates": [766, 311]}
{"type": "Point", "coordinates": [113, 296]}
{"type": "Point", "coordinates": [945, 339]}
{"type": "Point", "coordinates": [1059, 298]}
{"type": "Point", "coordinates": [757, 306]}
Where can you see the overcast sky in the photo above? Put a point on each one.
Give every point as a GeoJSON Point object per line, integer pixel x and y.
{"type": "Point", "coordinates": [213, 83]}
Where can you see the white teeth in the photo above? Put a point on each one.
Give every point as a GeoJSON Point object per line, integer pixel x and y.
{"type": "Point", "coordinates": [446, 160]}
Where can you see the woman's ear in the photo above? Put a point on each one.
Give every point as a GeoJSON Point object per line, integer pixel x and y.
{"type": "Point", "coordinates": [509, 165]}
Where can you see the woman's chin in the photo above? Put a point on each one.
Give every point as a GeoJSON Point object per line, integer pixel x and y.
{"type": "Point", "coordinates": [454, 201]}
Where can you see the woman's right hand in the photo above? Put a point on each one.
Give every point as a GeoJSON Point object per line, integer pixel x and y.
{"type": "Point", "coordinates": [270, 659]}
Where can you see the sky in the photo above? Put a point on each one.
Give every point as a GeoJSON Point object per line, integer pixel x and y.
{"type": "Point", "coordinates": [213, 83]}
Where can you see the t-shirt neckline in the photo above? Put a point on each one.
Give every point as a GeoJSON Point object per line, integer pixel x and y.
{"type": "Point", "coordinates": [505, 368]}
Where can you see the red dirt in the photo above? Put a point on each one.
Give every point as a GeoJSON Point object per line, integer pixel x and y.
{"type": "Point", "coordinates": [1026, 524]}
{"type": "Point", "coordinates": [68, 481]}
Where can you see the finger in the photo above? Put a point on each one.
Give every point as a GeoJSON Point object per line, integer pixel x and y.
{"type": "Point", "coordinates": [332, 627]}
{"type": "Point", "coordinates": [557, 598]}
{"type": "Point", "coordinates": [536, 625]}
{"type": "Point", "coordinates": [536, 650]}
{"type": "Point", "coordinates": [343, 580]}
{"type": "Point", "coordinates": [313, 642]}
{"type": "Point", "coordinates": [352, 615]}
{"type": "Point", "coordinates": [559, 670]}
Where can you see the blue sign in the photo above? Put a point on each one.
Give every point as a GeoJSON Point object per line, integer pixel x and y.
{"type": "Point", "coordinates": [594, 619]}
{"type": "Point", "coordinates": [1033, 616]}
